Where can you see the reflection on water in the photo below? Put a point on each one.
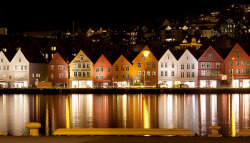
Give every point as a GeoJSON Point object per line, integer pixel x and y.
{"type": "Point", "coordinates": [195, 112]}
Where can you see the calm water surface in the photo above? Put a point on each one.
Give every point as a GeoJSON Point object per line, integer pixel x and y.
{"type": "Point", "coordinates": [195, 112]}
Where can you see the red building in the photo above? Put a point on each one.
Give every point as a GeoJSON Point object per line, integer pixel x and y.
{"type": "Point", "coordinates": [210, 68]}
{"type": "Point", "coordinates": [237, 67]}
{"type": "Point", "coordinates": [102, 72]}
{"type": "Point", "coordinates": [58, 71]}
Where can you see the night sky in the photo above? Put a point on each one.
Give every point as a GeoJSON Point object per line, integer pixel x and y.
{"type": "Point", "coordinates": [43, 15]}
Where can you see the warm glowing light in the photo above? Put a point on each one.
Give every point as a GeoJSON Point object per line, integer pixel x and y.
{"type": "Point", "coordinates": [146, 53]}
{"type": "Point", "coordinates": [67, 113]}
{"type": "Point", "coordinates": [146, 123]}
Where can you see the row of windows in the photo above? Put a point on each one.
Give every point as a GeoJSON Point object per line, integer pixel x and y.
{"type": "Point", "coordinates": [60, 67]}
{"type": "Point", "coordinates": [100, 76]}
{"type": "Point", "coordinates": [61, 76]}
{"type": "Point", "coordinates": [239, 63]}
{"type": "Point", "coordinates": [82, 65]}
{"type": "Point", "coordinates": [122, 68]}
{"type": "Point", "coordinates": [210, 73]}
{"type": "Point", "coordinates": [165, 65]}
{"type": "Point", "coordinates": [240, 71]}
{"type": "Point", "coordinates": [122, 76]}
{"type": "Point", "coordinates": [188, 66]}
{"type": "Point", "coordinates": [188, 74]}
{"type": "Point", "coordinates": [165, 73]}
{"type": "Point", "coordinates": [100, 69]}
{"type": "Point", "coordinates": [22, 67]}
{"type": "Point", "coordinates": [149, 65]}
{"type": "Point", "coordinates": [148, 73]}
{"type": "Point", "coordinates": [208, 65]}
{"type": "Point", "coordinates": [82, 74]}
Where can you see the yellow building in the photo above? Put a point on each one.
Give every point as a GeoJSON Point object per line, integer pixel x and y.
{"type": "Point", "coordinates": [122, 72]}
{"type": "Point", "coordinates": [145, 66]}
{"type": "Point", "coordinates": [81, 71]}
{"type": "Point", "coordinates": [194, 44]}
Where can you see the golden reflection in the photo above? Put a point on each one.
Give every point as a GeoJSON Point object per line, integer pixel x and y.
{"type": "Point", "coordinates": [67, 113]}
{"type": "Point", "coordinates": [146, 122]}
{"type": "Point", "coordinates": [235, 113]}
{"type": "Point", "coordinates": [47, 118]}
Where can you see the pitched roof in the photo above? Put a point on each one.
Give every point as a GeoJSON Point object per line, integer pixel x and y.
{"type": "Point", "coordinates": [33, 56]}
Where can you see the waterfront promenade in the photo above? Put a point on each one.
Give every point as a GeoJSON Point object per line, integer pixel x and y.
{"type": "Point", "coordinates": [125, 91]}
{"type": "Point", "coordinates": [122, 139]}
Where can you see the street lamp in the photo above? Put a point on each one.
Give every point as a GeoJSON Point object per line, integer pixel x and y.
{"type": "Point", "coordinates": [146, 54]}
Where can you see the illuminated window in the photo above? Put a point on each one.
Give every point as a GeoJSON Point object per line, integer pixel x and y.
{"type": "Point", "coordinates": [139, 73]}
{"type": "Point", "coordinates": [5, 50]}
{"type": "Point", "coordinates": [148, 73]}
{"type": "Point", "coordinates": [51, 67]}
{"type": "Point", "coordinates": [203, 73]}
{"type": "Point", "coordinates": [217, 65]}
{"type": "Point", "coordinates": [53, 48]}
{"type": "Point", "coordinates": [153, 73]}
{"type": "Point", "coordinates": [237, 63]}
{"type": "Point", "coordinates": [237, 71]}
{"type": "Point", "coordinates": [52, 76]}
{"type": "Point", "coordinates": [210, 55]}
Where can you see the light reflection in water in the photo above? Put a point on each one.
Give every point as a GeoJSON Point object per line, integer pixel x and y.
{"type": "Point", "coordinates": [195, 112]}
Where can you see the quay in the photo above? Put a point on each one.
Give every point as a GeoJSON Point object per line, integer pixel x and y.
{"type": "Point", "coordinates": [125, 91]}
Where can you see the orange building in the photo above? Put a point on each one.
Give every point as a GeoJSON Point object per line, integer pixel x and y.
{"type": "Point", "coordinates": [102, 72]}
{"type": "Point", "coordinates": [122, 72]}
{"type": "Point", "coordinates": [145, 61]}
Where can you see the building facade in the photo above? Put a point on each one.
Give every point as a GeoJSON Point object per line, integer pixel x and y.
{"type": "Point", "coordinates": [211, 68]}
{"type": "Point", "coordinates": [146, 68]}
{"type": "Point", "coordinates": [102, 73]}
{"type": "Point", "coordinates": [187, 70]}
{"type": "Point", "coordinates": [122, 73]}
{"type": "Point", "coordinates": [81, 71]}
{"type": "Point", "coordinates": [58, 71]}
{"type": "Point", "coordinates": [167, 68]}
{"type": "Point", "coordinates": [237, 67]}
{"type": "Point", "coordinates": [5, 71]}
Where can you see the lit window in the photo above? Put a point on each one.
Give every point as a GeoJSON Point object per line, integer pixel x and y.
{"type": "Point", "coordinates": [52, 76]}
{"type": "Point", "coordinates": [148, 73]}
{"type": "Point", "coordinates": [53, 48]}
{"type": "Point", "coordinates": [210, 55]}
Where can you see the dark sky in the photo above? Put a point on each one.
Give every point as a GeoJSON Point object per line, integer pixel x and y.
{"type": "Point", "coordinates": [47, 15]}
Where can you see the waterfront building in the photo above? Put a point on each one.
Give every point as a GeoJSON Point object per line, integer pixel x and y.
{"type": "Point", "coordinates": [58, 71]}
{"type": "Point", "coordinates": [103, 73]}
{"type": "Point", "coordinates": [26, 69]}
{"type": "Point", "coordinates": [237, 67]}
{"type": "Point", "coordinates": [146, 68]}
{"type": "Point", "coordinates": [122, 72]}
{"type": "Point", "coordinates": [81, 71]}
{"type": "Point", "coordinates": [210, 68]}
{"type": "Point", "coordinates": [5, 70]}
{"type": "Point", "coordinates": [167, 68]}
{"type": "Point", "coordinates": [188, 68]}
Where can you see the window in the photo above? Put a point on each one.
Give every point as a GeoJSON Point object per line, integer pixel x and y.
{"type": "Point", "coordinates": [139, 73]}
{"type": "Point", "coordinates": [53, 48]}
{"type": "Point", "coordinates": [182, 66]}
{"type": "Point", "coordinates": [52, 76]}
{"type": "Point", "coordinates": [101, 76]}
{"type": "Point", "coordinates": [148, 73]}
{"type": "Point", "coordinates": [247, 71]}
{"type": "Point", "coordinates": [172, 65]}
{"type": "Point", "coordinates": [75, 65]}
{"type": "Point", "coordinates": [193, 75]}
{"type": "Point", "coordinates": [153, 65]}
{"type": "Point", "coordinates": [116, 76]}
{"type": "Point", "coordinates": [247, 62]}
{"type": "Point", "coordinates": [148, 65]}
{"type": "Point", "coordinates": [122, 75]}
{"type": "Point", "coordinates": [122, 68]}
{"type": "Point", "coordinates": [188, 66]}
{"type": "Point", "coordinates": [237, 71]}
{"type": "Point", "coordinates": [192, 66]}
{"type": "Point", "coordinates": [83, 65]}
{"type": "Point", "coordinates": [21, 67]}
{"type": "Point", "coordinates": [203, 73]}
{"type": "Point", "coordinates": [242, 63]}
{"type": "Point", "coordinates": [79, 65]}
{"type": "Point", "coordinates": [172, 73]}
{"type": "Point", "coordinates": [97, 76]}
{"type": "Point", "coordinates": [162, 73]}
{"type": "Point", "coordinates": [108, 69]}
{"type": "Point", "coordinates": [88, 65]}
{"type": "Point", "coordinates": [79, 74]}
{"type": "Point", "coordinates": [20, 60]}
{"type": "Point", "coordinates": [237, 55]}
{"type": "Point", "coordinates": [208, 73]}
{"type": "Point", "coordinates": [81, 58]}
{"type": "Point", "coordinates": [153, 73]}
{"type": "Point", "coordinates": [166, 65]}
{"type": "Point", "coordinates": [75, 74]}
{"type": "Point", "coordinates": [230, 71]}
{"type": "Point", "coordinates": [116, 68]}
{"type": "Point", "coordinates": [63, 67]}
{"type": "Point", "coordinates": [108, 76]}
{"type": "Point", "coordinates": [139, 65]}
{"type": "Point", "coordinates": [208, 65]}
{"type": "Point", "coordinates": [166, 73]}
{"type": "Point", "coordinates": [15, 67]}
{"type": "Point", "coordinates": [101, 69]}
{"type": "Point", "coordinates": [51, 67]}
{"type": "Point", "coordinates": [127, 67]}
{"type": "Point", "coordinates": [188, 74]}
{"type": "Point", "coordinates": [38, 75]}
{"type": "Point", "coordinates": [88, 74]}
{"type": "Point", "coordinates": [127, 76]}
{"type": "Point", "coordinates": [97, 69]}
{"type": "Point", "coordinates": [182, 74]}
{"type": "Point", "coordinates": [210, 55]}
{"type": "Point", "coordinates": [217, 65]}
{"type": "Point", "coordinates": [162, 65]}
{"type": "Point", "coordinates": [237, 63]}
{"type": "Point", "coordinates": [83, 74]}
{"type": "Point", "coordinates": [230, 63]}
{"type": "Point", "coordinates": [242, 71]}
{"type": "Point", "coordinates": [1, 60]}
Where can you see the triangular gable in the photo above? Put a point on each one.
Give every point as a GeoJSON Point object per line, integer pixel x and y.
{"type": "Point", "coordinates": [2, 55]}
{"type": "Point", "coordinates": [121, 57]}
{"type": "Point", "coordinates": [166, 54]}
{"type": "Point", "coordinates": [79, 54]}
{"type": "Point", "coordinates": [146, 48]}
{"type": "Point", "coordinates": [101, 57]}
{"type": "Point", "coordinates": [216, 56]}
{"type": "Point", "coordinates": [233, 49]}
{"type": "Point", "coordinates": [57, 57]}
{"type": "Point", "coordinates": [189, 53]}
{"type": "Point", "coordinates": [18, 54]}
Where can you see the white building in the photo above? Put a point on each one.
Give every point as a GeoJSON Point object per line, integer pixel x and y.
{"type": "Point", "coordinates": [5, 70]}
{"type": "Point", "coordinates": [188, 69]}
{"type": "Point", "coordinates": [27, 69]}
{"type": "Point", "coordinates": [167, 69]}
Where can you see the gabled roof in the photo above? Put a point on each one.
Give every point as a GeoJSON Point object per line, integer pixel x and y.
{"type": "Point", "coordinates": [33, 56]}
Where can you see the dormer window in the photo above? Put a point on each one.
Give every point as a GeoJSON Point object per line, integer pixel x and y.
{"type": "Point", "coordinates": [20, 60]}
{"type": "Point", "coordinates": [53, 48]}
{"type": "Point", "coordinates": [81, 58]}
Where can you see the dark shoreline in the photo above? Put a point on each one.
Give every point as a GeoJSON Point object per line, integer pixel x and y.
{"type": "Point", "coordinates": [126, 91]}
